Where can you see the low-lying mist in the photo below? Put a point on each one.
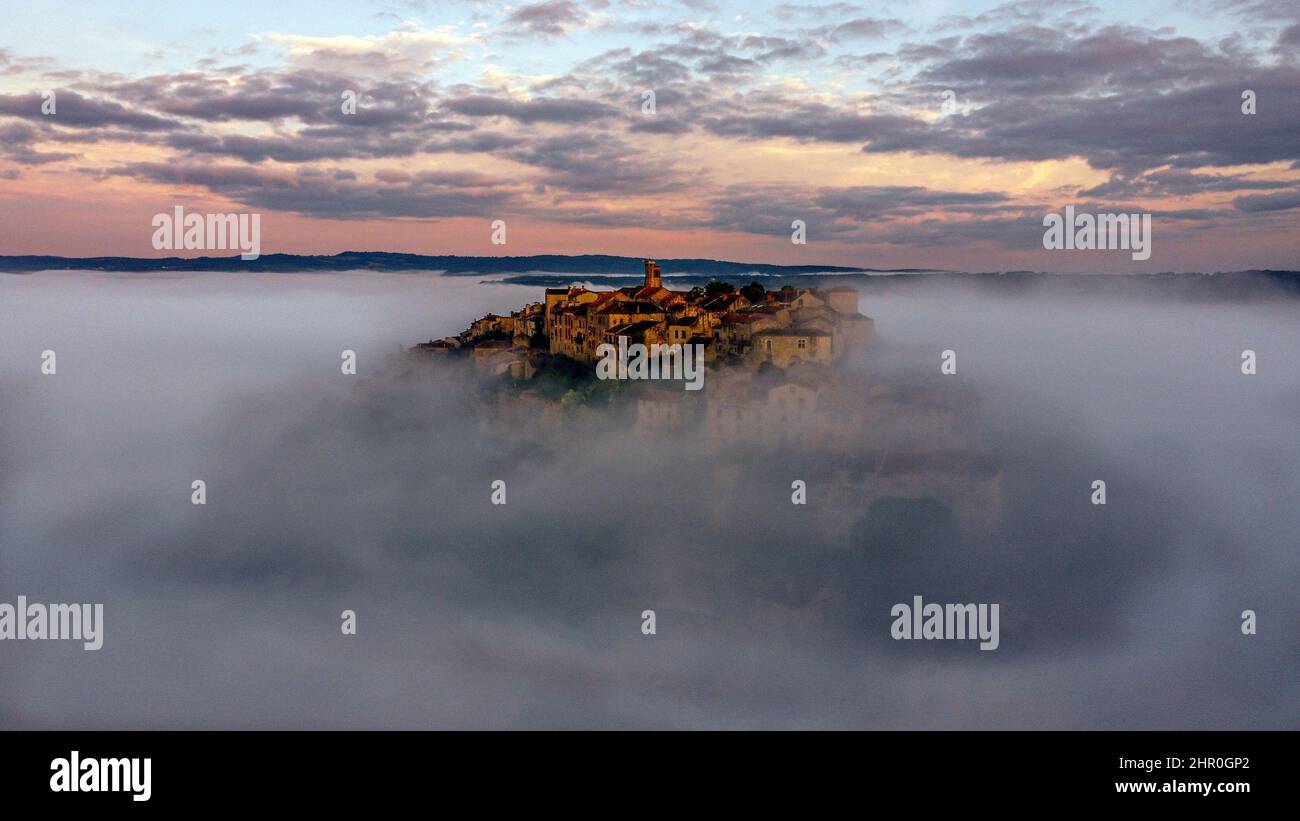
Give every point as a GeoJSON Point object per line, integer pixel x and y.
{"type": "Point", "coordinates": [372, 493]}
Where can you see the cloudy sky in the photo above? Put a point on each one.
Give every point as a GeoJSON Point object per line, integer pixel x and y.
{"type": "Point", "coordinates": [764, 113]}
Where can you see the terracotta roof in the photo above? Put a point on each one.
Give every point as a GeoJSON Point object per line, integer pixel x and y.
{"type": "Point", "coordinates": [632, 329]}
{"type": "Point", "coordinates": [637, 306]}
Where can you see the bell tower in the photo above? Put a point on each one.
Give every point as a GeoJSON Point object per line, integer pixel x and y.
{"type": "Point", "coordinates": [652, 274]}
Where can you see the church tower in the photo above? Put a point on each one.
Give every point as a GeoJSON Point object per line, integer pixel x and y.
{"type": "Point", "coordinates": [652, 274]}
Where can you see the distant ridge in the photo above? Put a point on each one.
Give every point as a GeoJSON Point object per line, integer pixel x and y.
{"type": "Point", "coordinates": [556, 270]}
{"type": "Point", "coordinates": [599, 264]}
{"type": "Point", "coordinates": [1223, 285]}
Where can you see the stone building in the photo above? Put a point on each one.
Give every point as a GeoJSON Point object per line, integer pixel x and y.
{"type": "Point", "coordinates": [786, 326]}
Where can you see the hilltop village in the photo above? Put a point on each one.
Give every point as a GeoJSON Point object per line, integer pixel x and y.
{"type": "Point", "coordinates": [778, 383]}
{"type": "Point", "coordinates": [749, 326]}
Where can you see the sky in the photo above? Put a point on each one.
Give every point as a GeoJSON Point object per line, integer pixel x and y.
{"type": "Point", "coordinates": [764, 113]}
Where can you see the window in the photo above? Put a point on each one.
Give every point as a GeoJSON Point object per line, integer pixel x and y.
{"type": "Point", "coordinates": [803, 343]}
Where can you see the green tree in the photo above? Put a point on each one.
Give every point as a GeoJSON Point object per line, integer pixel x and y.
{"type": "Point", "coordinates": [754, 292]}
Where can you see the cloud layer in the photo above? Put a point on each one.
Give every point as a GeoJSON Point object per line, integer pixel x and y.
{"type": "Point", "coordinates": [1046, 105]}
{"type": "Point", "coordinates": [327, 493]}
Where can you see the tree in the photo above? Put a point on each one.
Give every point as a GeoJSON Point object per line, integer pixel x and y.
{"type": "Point", "coordinates": [754, 292]}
